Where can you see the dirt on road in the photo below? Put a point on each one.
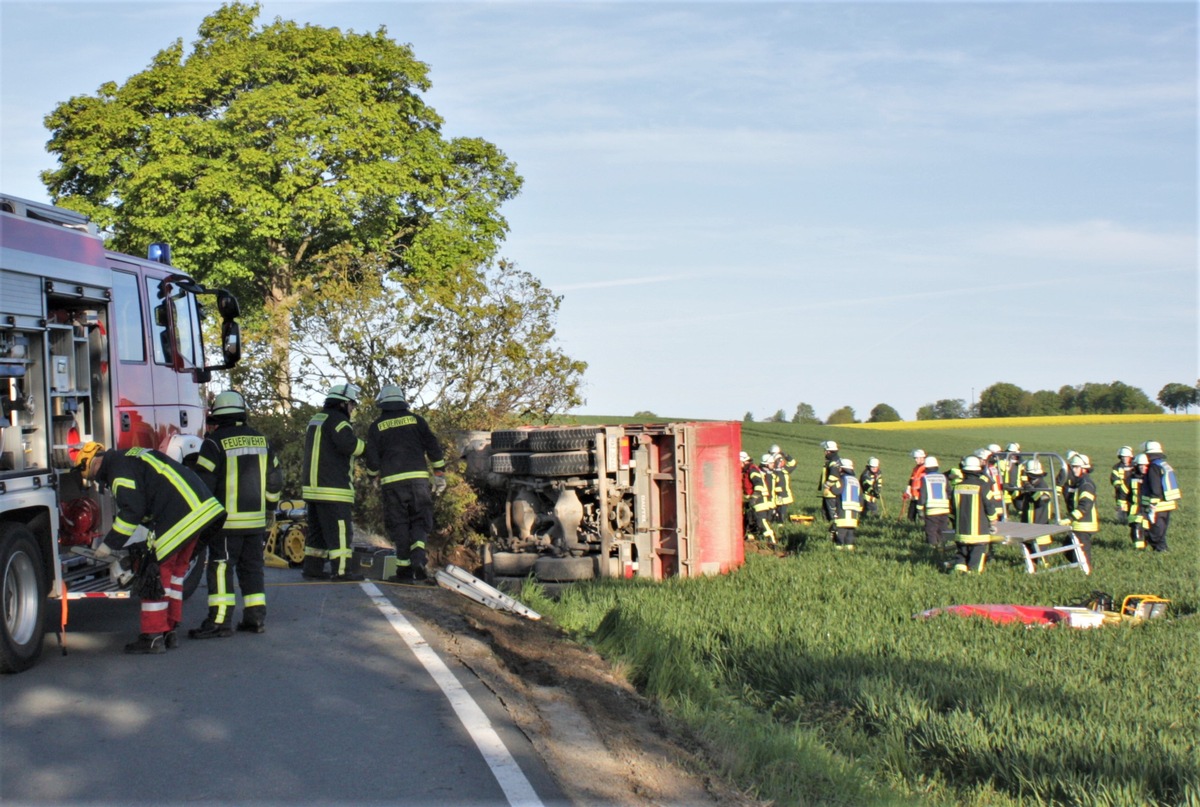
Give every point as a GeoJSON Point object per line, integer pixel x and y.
{"type": "Point", "coordinates": [604, 742]}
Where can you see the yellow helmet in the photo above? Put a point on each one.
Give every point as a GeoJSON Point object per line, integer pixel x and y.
{"type": "Point", "coordinates": [86, 459]}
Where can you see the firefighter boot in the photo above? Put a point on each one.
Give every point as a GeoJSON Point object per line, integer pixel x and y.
{"type": "Point", "coordinates": [211, 629]}
{"type": "Point", "coordinates": [313, 568]}
{"type": "Point", "coordinates": [171, 639]}
{"type": "Point", "coordinates": [147, 644]}
{"type": "Point", "coordinates": [253, 619]}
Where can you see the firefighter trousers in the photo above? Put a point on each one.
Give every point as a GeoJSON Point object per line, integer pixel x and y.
{"type": "Point", "coordinates": [330, 537]}
{"type": "Point", "coordinates": [241, 552]}
{"type": "Point", "coordinates": [162, 615]}
{"type": "Point", "coordinates": [408, 519]}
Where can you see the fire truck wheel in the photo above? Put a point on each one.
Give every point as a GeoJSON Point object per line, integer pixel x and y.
{"type": "Point", "coordinates": [24, 598]}
{"type": "Point", "coordinates": [567, 463]}
{"type": "Point", "coordinates": [510, 463]}
{"type": "Point", "coordinates": [195, 572]}
{"type": "Point", "coordinates": [573, 438]}
{"type": "Point", "coordinates": [563, 570]}
{"type": "Point", "coordinates": [513, 564]}
{"type": "Point", "coordinates": [510, 440]}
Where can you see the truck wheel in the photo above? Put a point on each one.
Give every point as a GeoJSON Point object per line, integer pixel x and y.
{"type": "Point", "coordinates": [510, 440]}
{"type": "Point", "coordinates": [513, 564]}
{"type": "Point", "coordinates": [24, 597]}
{"type": "Point", "coordinates": [510, 463]}
{"type": "Point", "coordinates": [571, 438]}
{"type": "Point", "coordinates": [195, 572]}
{"type": "Point", "coordinates": [563, 570]}
{"type": "Point", "coordinates": [567, 463]}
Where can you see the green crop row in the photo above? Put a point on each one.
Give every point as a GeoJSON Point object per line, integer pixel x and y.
{"type": "Point", "coordinates": [810, 680]}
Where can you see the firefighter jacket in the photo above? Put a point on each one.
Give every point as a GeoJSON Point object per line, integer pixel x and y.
{"type": "Point", "coordinates": [1119, 479]}
{"type": "Point", "coordinates": [1033, 500]}
{"type": "Point", "coordinates": [243, 473]}
{"type": "Point", "coordinates": [1084, 517]}
{"type": "Point", "coordinates": [973, 507]}
{"type": "Point", "coordinates": [1160, 489]}
{"type": "Point", "coordinates": [397, 445]}
{"type": "Point", "coordinates": [153, 490]}
{"type": "Point", "coordinates": [1013, 477]}
{"type": "Point", "coordinates": [789, 462]}
{"type": "Point", "coordinates": [1133, 501]}
{"type": "Point", "coordinates": [934, 496]}
{"type": "Point", "coordinates": [871, 483]}
{"type": "Point", "coordinates": [914, 481]}
{"type": "Point", "coordinates": [832, 469]}
{"type": "Point", "coordinates": [761, 497]}
{"type": "Point", "coordinates": [848, 492]}
{"type": "Point", "coordinates": [329, 447]}
{"type": "Point", "coordinates": [783, 487]}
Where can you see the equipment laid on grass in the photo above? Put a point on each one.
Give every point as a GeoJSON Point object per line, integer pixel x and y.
{"type": "Point", "coordinates": [467, 584]}
{"type": "Point", "coordinates": [1135, 608]}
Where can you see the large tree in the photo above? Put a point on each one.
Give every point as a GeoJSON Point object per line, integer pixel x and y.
{"type": "Point", "coordinates": [1004, 400]}
{"type": "Point", "coordinates": [1175, 396]}
{"type": "Point", "coordinates": [265, 147]}
{"type": "Point", "coordinates": [884, 413]}
{"type": "Point", "coordinates": [944, 409]}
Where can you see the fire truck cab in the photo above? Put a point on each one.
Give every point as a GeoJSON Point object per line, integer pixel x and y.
{"type": "Point", "coordinates": [94, 345]}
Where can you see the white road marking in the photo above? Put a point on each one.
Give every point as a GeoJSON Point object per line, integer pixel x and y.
{"type": "Point", "coordinates": [512, 780]}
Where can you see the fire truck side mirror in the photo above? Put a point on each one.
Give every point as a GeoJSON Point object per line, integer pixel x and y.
{"type": "Point", "coordinates": [227, 305]}
{"type": "Point", "coordinates": [231, 342]}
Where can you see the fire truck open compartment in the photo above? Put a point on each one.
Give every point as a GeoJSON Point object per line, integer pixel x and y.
{"type": "Point", "coordinates": [648, 501]}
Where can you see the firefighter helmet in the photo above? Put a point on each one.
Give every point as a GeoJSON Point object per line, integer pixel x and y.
{"type": "Point", "coordinates": [846, 464]}
{"type": "Point", "coordinates": [1152, 447]}
{"type": "Point", "coordinates": [1141, 459]}
{"type": "Point", "coordinates": [1079, 461]}
{"type": "Point", "coordinates": [392, 396]}
{"type": "Point", "coordinates": [1124, 451]}
{"type": "Point", "coordinates": [994, 448]}
{"type": "Point", "coordinates": [343, 392]}
{"type": "Point", "coordinates": [984, 454]}
{"type": "Point", "coordinates": [767, 459]}
{"type": "Point", "coordinates": [228, 404]}
{"type": "Point", "coordinates": [873, 462]}
{"type": "Point", "coordinates": [88, 459]}
{"type": "Point", "coordinates": [972, 463]}
{"type": "Point", "coordinates": [918, 454]}
{"type": "Point", "coordinates": [1034, 468]}
{"type": "Point", "coordinates": [183, 446]}
{"type": "Point", "coordinates": [829, 445]}
{"type": "Point", "coordinates": [1013, 448]}
{"type": "Point", "coordinates": [744, 457]}
{"type": "Point", "coordinates": [931, 462]}
{"type": "Point", "coordinates": [775, 449]}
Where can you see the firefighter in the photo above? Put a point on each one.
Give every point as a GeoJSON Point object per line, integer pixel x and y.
{"type": "Point", "coordinates": [754, 498]}
{"type": "Point", "coordinates": [789, 462]}
{"type": "Point", "coordinates": [1119, 479]}
{"type": "Point", "coordinates": [1032, 500]}
{"type": "Point", "coordinates": [152, 490]}
{"type": "Point", "coordinates": [933, 502]}
{"type": "Point", "coordinates": [781, 484]}
{"type": "Point", "coordinates": [1160, 495]}
{"type": "Point", "coordinates": [1065, 482]}
{"type": "Point", "coordinates": [330, 445]}
{"type": "Point", "coordinates": [989, 459]}
{"type": "Point", "coordinates": [1012, 473]}
{"type": "Point", "coordinates": [973, 509]}
{"type": "Point", "coordinates": [914, 484]}
{"type": "Point", "coordinates": [242, 471]}
{"type": "Point", "coordinates": [1084, 518]}
{"type": "Point", "coordinates": [871, 483]}
{"type": "Point", "coordinates": [830, 469]}
{"type": "Point", "coordinates": [399, 446]}
{"type": "Point", "coordinates": [1137, 521]}
{"type": "Point", "coordinates": [847, 495]}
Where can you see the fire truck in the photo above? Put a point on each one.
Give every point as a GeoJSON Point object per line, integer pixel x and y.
{"type": "Point", "coordinates": [649, 501]}
{"type": "Point", "coordinates": [94, 345]}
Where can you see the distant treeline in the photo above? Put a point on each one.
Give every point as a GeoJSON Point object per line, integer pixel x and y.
{"type": "Point", "coordinates": [1003, 400]}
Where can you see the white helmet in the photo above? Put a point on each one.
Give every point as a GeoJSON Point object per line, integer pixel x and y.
{"type": "Point", "coordinates": [182, 446]}
{"type": "Point", "coordinates": [1013, 448]}
{"type": "Point", "coordinates": [229, 403]}
{"type": "Point", "coordinates": [775, 449]}
{"type": "Point", "coordinates": [767, 459]}
{"type": "Point", "coordinates": [1141, 459]}
{"type": "Point", "coordinates": [873, 462]}
{"type": "Point", "coordinates": [994, 448]}
{"type": "Point", "coordinates": [846, 463]}
{"type": "Point", "coordinates": [1124, 451]}
{"type": "Point", "coordinates": [829, 445]}
{"type": "Point", "coordinates": [918, 454]}
{"type": "Point", "coordinates": [392, 395]}
{"type": "Point", "coordinates": [1079, 461]}
{"type": "Point", "coordinates": [931, 462]}
{"type": "Point", "coordinates": [984, 454]}
{"type": "Point", "coordinates": [972, 463]}
{"type": "Point", "coordinates": [343, 392]}
{"type": "Point", "coordinates": [744, 457]}
{"type": "Point", "coordinates": [1152, 447]}
{"type": "Point", "coordinates": [1034, 468]}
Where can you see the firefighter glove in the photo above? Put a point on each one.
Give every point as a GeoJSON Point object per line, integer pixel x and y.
{"type": "Point", "coordinates": [439, 484]}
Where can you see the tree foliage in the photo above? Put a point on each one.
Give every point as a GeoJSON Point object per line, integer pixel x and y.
{"type": "Point", "coordinates": [779, 417]}
{"type": "Point", "coordinates": [805, 414]}
{"type": "Point", "coordinates": [265, 147]}
{"type": "Point", "coordinates": [1009, 400]}
{"type": "Point", "coordinates": [944, 409]}
{"type": "Point", "coordinates": [884, 413]}
{"type": "Point", "coordinates": [473, 360]}
{"type": "Point", "coordinates": [841, 416]}
{"type": "Point", "coordinates": [1175, 396]}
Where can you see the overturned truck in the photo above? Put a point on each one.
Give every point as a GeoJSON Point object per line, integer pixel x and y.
{"type": "Point", "coordinates": [637, 500]}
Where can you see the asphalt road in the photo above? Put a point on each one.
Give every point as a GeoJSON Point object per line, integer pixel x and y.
{"type": "Point", "coordinates": [344, 700]}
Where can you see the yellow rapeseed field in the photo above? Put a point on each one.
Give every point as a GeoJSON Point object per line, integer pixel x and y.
{"type": "Point", "coordinates": [1047, 420]}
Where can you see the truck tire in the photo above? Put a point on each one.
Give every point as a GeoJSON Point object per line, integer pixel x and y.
{"type": "Point", "coordinates": [23, 590]}
{"type": "Point", "coordinates": [510, 463]}
{"type": "Point", "coordinates": [567, 463]}
{"type": "Point", "coordinates": [564, 570]}
{"type": "Point", "coordinates": [195, 572]}
{"type": "Point", "coordinates": [571, 438]}
{"type": "Point", "coordinates": [513, 564]}
{"type": "Point", "coordinates": [510, 440]}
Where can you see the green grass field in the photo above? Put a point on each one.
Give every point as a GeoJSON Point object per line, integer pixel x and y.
{"type": "Point", "coordinates": [809, 681]}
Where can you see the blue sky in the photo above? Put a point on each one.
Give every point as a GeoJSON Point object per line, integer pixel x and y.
{"type": "Point", "coordinates": [746, 206]}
